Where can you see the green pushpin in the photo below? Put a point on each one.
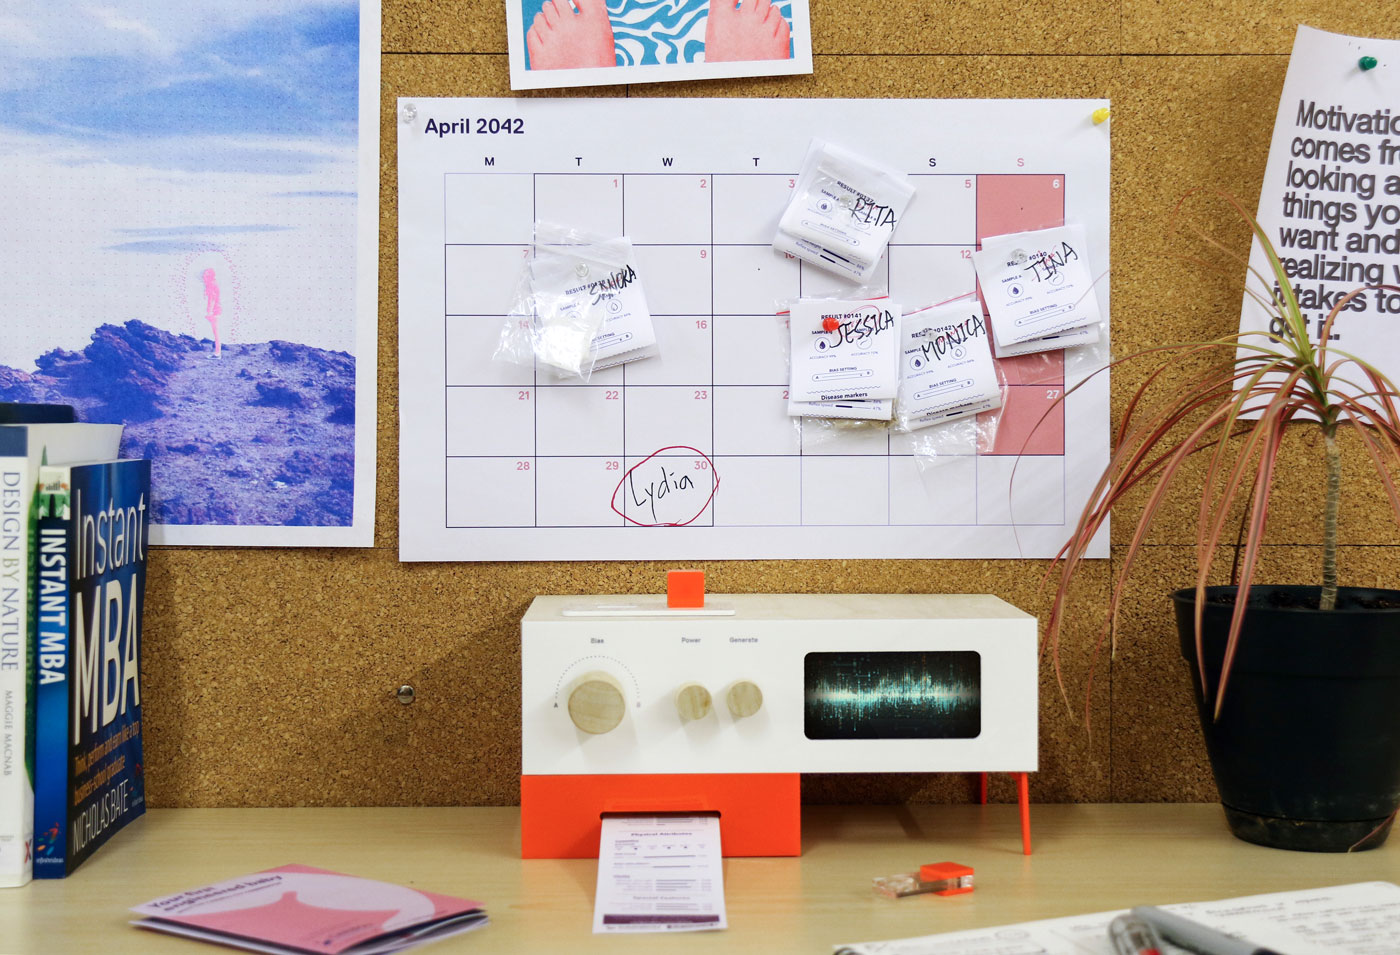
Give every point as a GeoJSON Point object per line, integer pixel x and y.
{"type": "Point", "coordinates": [1367, 63]}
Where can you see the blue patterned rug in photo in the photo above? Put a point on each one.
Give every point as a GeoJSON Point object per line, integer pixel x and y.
{"type": "Point", "coordinates": [650, 32]}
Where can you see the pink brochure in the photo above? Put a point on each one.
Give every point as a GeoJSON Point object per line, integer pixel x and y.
{"type": "Point", "coordinates": [298, 909]}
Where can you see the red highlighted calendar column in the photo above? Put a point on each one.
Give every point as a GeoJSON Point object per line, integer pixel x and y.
{"type": "Point", "coordinates": [1025, 203]}
{"type": "Point", "coordinates": [1022, 445]}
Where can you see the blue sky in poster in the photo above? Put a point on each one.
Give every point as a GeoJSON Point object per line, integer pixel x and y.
{"type": "Point", "coordinates": [147, 140]}
{"type": "Point", "coordinates": [286, 75]}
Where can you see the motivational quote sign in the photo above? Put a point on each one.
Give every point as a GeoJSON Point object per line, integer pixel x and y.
{"type": "Point", "coordinates": [1330, 202]}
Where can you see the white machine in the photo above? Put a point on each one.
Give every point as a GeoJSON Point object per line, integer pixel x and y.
{"type": "Point", "coordinates": [778, 683]}
{"type": "Point", "coordinates": [630, 705]}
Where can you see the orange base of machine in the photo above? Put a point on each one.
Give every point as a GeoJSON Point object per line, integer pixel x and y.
{"type": "Point", "coordinates": [760, 813]}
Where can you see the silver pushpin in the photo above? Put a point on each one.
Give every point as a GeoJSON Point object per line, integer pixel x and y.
{"type": "Point", "coordinates": [408, 113]}
{"type": "Point", "coordinates": [1019, 256]}
{"type": "Point", "coordinates": [581, 270]}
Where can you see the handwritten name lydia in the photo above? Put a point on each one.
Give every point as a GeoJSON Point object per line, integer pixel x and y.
{"type": "Point", "coordinates": [659, 482]}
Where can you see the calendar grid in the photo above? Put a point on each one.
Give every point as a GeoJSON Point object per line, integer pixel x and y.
{"type": "Point", "coordinates": [564, 485]}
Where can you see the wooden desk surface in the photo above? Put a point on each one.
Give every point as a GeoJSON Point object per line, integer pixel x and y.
{"type": "Point", "coordinates": [1086, 858]}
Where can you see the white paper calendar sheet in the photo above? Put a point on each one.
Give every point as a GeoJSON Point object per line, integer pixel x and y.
{"type": "Point", "coordinates": [691, 455]}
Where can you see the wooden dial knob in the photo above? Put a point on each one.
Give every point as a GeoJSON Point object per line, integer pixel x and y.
{"type": "Point", "coordinates": [744, 699]}
{"type": "Point", "coordinates": [596, 703]}
{"type": "Point", "coordinates": [692, 701]}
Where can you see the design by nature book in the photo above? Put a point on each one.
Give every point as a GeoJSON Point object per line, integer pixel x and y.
{"type": "Point", "coordinates": [16, 736]}
{"type": "Point", "coordinates": [90, 582]}
{"type": "Point", "coordinates": [22, 449]}
{"type": "Point", "coordinates": [295, 909]}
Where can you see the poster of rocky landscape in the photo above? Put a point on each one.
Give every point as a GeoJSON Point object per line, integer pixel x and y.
{"type": "Point", "coordinates": [190, 203]}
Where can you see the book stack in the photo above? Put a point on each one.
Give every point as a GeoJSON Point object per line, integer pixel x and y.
{"type": "Point", "coordinates": [73, 522]}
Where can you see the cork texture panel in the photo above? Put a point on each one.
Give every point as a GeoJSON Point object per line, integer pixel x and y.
{"type": "Point", "coordinates": [271, 675]}
{"type": "Point", "coordinates": [1000, 26]}
{"type": "Point", "coordinates": [1233, 27]}
{"type": "Point", "coordinates": [1169, 287]}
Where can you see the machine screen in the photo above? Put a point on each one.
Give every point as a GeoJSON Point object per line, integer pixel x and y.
{"type": "Point", "coordinates": [906, 694]}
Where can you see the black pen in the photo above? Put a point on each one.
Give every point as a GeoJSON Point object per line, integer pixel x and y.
{"type": "Point", "coordinates": [1195, 936]}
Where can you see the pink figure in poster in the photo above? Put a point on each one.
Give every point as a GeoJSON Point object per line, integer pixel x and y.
{"type": "Point", "coordinates": [212, 310]}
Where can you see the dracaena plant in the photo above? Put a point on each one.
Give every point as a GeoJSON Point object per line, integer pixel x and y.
{"type": "Point", "coordinates": [1232, 417]}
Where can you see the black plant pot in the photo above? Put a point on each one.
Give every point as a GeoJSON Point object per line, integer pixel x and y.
{"type": "Point", "coordinates": [1306, 752]}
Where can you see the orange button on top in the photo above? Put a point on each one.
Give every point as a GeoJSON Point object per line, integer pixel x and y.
{"type": "Point", "coordinates": [685, 589]}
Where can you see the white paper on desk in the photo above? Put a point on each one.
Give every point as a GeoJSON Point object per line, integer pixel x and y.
{"type": "Point", "coordinates": [1358, 919]}
{"type": "Point", "coordinates": [659, 874]}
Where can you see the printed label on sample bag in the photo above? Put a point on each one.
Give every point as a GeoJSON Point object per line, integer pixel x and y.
{"type": "Point", "coordinates": [1068, 338]}
{"type": "Point", "coordinates": [843, 210]}
{"type": "Point", "coordinates": [625, 324]}
{"type": "Point", "coordinates": [947, 366]}
{"type": "Point", "coordinates": [881, 409]}
{"type": "Point", "coordinates": [828, 259]}
{"type": "Point", "coordinates": [1036, 283]}
{"type": "Point", "coordinates": [843, 350]}
{"type": "Point", "coordinates": [602, 312]}
{"type": "Point", "coordinates": [834, 213]}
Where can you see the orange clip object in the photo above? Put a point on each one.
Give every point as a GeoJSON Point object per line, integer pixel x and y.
{"type": "Point", "coordinates": [685, 589]}
{"type": "Point", "coordinates": [958, 877]}
{"type": "Point", "coordinates": [938, 878]}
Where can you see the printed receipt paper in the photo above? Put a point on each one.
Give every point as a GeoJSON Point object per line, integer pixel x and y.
{"type": "Point", "coordinates": [659, 874]}
{"type": "Point", "coordinates": [1358, 919]}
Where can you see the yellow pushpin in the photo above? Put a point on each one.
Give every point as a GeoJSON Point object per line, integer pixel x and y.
{"type": "Point", "coordinates": [1100, 115]}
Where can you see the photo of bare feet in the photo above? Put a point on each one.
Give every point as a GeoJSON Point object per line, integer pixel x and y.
{"type": "Point", "coordinates": [753, 30]}
{"type": "Point", "coordinates": [602, 42]}
{"type": "Point", "coordinates": [562, 39]}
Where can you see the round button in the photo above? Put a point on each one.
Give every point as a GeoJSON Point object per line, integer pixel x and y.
{"type": "Point", "coordinates": [596, 703]}
{"type": "Point", "coordinates": [744, 699]}
{"type": "Point", "coordinates": [692, 701]}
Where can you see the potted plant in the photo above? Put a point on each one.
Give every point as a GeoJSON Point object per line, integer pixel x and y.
{"type": "Point", "coordinates": [1297, 686]}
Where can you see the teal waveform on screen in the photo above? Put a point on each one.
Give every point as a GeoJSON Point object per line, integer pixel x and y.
{"type": "Point", "coordinates": [893, 695]}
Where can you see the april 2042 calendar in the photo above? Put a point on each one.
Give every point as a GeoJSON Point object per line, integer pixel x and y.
{"type": "Point", "coordinates": [691, 454]}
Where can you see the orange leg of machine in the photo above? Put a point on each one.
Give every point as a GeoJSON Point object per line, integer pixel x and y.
{"type": "Point", "coordinates": [1023, 796]}
{"type": "Point", "coordinates": [760, 813]}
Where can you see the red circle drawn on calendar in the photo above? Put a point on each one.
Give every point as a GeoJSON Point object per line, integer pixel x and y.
{"type": "Point", "coordinates": [650, 496]}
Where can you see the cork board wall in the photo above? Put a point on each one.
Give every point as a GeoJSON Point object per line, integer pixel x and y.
{"type": "Point", "coordinates": [270, 675]}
